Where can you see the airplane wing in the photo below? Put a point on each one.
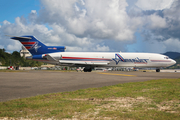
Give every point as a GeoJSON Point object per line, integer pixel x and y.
{"type": "Point", "coordinates": [86, 61]}
{"type": "Point", "coordinates": [99, 63]}
{"type": "Point", "coordinates": [75, 62]}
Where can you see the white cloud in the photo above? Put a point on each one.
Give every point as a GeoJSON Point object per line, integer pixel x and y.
{"type": "Point", "coordinates": [1, 46]}
{"type": "Point", "coordinates": [33, 12]}
{"type": "Point", "coordinates": [101, 48]}
{"type": "Point", "coordinates": [159, 46]}
{"type": "Point", "coordinates": [154, 4]}
{"type": "Point", "coordinates": [87, 49]}
{"type": "Point", "coordinates": [33, 16]}
{"type": "Point", "coordinates": [103, 25]}
{"type": "Point", "coordinates": [56, 36]}
{"type": "Point", "coordinates": [103, 19]}
{"type": "Point", "coordinates": [77, 8]}
{"type": "Point", "coordinates": [19, 28]}
{"type": "Point", "coordinates": [82, 2]}
{"type": "Point", "coordinates": [156, 22]}
{"type": "Point", "coordinates": [5, 22]}
{"type": "Point", "coordinates": [13, 46]}
{"type": "Point", "coordinates": [160, 24]}
{"type": "Point", "coordinates": [172, 44]}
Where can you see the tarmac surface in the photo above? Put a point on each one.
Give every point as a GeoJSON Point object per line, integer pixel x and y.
{"type": "Point", "coordinates": [14, 85]}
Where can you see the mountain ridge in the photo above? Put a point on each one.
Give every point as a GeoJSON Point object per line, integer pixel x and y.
{"type": "Point", "coordinates": [172, 55]}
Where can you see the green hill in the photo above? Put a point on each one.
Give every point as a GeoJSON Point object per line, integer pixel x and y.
{"type": "Point", "coordinates": [177, 65]}
{"type": "Point", "coordinates": [15, 59]}
{"type": "Point", "coordinates": [172, 55]}
{"type": "Point", "coordinates": [176, 57]}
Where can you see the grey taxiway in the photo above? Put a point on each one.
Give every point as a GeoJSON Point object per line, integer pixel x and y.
{"type": "Point", "coordinates": [14, 85]}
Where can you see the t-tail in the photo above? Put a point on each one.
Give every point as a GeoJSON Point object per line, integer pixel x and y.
{"type": "Point", "coordinates": [37, 48]}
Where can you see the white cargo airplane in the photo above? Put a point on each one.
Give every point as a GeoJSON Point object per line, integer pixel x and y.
{"type": "Point", "coordinates": [57, 55]}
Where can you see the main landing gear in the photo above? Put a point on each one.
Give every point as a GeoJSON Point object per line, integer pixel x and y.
{"type": "Point", "coordinates": [157, 70]}
{"type": "Point", "coordinates": [87, 69]}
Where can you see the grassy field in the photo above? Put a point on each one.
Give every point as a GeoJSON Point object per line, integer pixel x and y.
{"type": "Point", "coordinates": [155, 99]}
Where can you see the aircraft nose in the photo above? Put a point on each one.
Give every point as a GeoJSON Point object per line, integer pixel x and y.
{"type": "Point", "coordinates": [173, 62]}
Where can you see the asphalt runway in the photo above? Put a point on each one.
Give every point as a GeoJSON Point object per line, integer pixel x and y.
{"type": "Point", "coordinates": [15, 85]}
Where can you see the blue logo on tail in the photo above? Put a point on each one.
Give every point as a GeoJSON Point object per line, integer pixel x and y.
{"type": "Point", "coordinates": [35, 47]}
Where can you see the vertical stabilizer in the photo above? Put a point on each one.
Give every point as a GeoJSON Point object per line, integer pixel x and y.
{"type": "Point", "coordinates": [35, 47]}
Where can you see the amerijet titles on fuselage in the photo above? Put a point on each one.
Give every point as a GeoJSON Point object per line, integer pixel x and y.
{"type": "Point", "coordinates": [119, 58]}
{"type": "Point", "coordinates": [57, 55]}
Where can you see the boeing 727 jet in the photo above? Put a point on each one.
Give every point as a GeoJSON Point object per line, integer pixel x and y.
{"type": "Point", "coordinates": [57, 55]}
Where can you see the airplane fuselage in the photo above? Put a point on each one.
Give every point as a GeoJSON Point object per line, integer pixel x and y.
{"type": "Point", "coordinates": [112, 59]}
{"type": "Point", "coordinates": [57, 55]}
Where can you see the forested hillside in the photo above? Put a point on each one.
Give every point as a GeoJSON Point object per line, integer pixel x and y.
{"type": "Point", "coordinates": [177, 65]}
{"type": "Point", "coordinates": [176, 57]}
{"type": "Point", "coordinates": [14, 59]}
{"type": "Point", "coordinates": [172, 55]}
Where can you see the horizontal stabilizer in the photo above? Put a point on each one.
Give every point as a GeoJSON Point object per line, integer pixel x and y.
{"type": "Point", "coordinates": [18, 38]}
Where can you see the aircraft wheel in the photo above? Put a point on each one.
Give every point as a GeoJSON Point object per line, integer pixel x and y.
{"type": "Point", "coordinates": [157, 70]}
{"type": "Point", "coordinates": [87, 69]}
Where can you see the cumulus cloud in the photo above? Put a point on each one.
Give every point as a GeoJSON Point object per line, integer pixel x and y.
{"type": "Point", "coordinates": [156, 22]}
{"type": "Point", "coordinates": [160, 23]}
{"type": "Point", "coordinates": [104, 19]}
{"type": "Point", "coordinates": [1, 46]}
{"type": "Point", "coordinates": [161, 46]}
{"type": "Point", "coordinates": [19, 28]}
{"type": "Point", "coordinates": [33, 16]}
{"type": "Point", "coordinates": [103, 25]}
{"type": "Point", "coordinates": [172, 44]}
{"type": "Point", "coordinates": [57, 35]}
{"type": "Point", "coordinates": [154, 4]}
{"type": "Point", "coordinates": [80, 23]}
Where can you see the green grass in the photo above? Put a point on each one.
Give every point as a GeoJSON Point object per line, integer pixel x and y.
{"type": "Point", "coordinates": [155, 99]}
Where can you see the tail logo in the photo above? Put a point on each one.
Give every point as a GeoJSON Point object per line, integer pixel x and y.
{"type": "Point", "coordinates": [31, 45]}
{"type": "Point", "coordinates": [35, 46]}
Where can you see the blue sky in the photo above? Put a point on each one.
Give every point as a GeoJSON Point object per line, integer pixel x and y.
{"type": "Point", "coordinates": [10, 9]}
{"type": "Point", "coordinates": [91, 25]}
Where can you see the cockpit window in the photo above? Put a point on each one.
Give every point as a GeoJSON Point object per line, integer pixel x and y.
{"type": "Point", "coordinates": [166, 57]}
